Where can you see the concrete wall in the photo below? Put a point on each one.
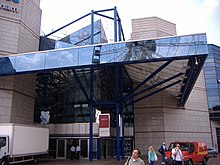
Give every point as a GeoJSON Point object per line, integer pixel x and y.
{"type": "Point", "coordinates": [20, 33]}
{"type": "Point", "coordinates": [151, 27]}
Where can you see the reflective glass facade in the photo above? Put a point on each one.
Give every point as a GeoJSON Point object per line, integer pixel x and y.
{"type": "Point", "coordinates": [106, 53]}
{"type": "Point", "coordinates": [78, 38]}
{"type": "Point", "coordinates": [64, 94]}
{"type": "Point", "coordinates": [212, 78]}
{"type": "Point", "coordinates": [64, 75]}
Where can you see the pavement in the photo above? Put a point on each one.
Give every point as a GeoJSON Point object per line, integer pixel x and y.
{"type": "Point", "coordinates": [110, 161]}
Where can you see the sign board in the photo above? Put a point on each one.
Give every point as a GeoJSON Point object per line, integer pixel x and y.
{"type": "Point", "coordinates": [104, 125]}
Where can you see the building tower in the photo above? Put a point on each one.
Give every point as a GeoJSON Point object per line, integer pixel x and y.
{"type": "Point", "coordinates": [158, 118]}
{"type": "Point", "coordinates": [151, 27]}
{"type": "Point", "coordinates": [20, 23]}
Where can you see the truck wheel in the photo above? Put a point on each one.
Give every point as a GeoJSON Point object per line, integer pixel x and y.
{"type": "Point", "coordinates": [215, 154]}
{"type": "Point", "coordinates": [35, 160]}
{"type": "Point", "coordinates": [190, 162]}
{"type": "Point", "coordinates": [4, 161]}
{"type": "Point", "coordinates": [204, 161]}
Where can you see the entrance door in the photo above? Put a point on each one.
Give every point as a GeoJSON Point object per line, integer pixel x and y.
{"type": "Point", "coordinates": [61, 149]}
{"type": "Point", "coordinates": [84, 148]}
{"type": "Point", "coordinates": [218, 138]}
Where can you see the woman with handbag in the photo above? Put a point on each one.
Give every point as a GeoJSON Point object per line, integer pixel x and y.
{"type": "Point", "coordinates": [152, 157]}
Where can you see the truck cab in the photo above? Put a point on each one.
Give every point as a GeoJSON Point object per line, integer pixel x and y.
{"type": "Point", "coordinates": [193, 152]}
{"type": "Point", "coordinates": [4, 149]}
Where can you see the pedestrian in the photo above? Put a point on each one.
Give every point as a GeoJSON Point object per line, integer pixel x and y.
{"type": "Point", "coordinates": [135, 158]}
{"type": "Point", "coordinates": [152, 157]}
{"type": "Point", "coordinates": [177, 155]}
{"type": "Point", "coordinates": [77, 152]}
{"type": "Point", "coordinates": [73, 152]}
{"type": "Point", "coordinates": [162, 150]}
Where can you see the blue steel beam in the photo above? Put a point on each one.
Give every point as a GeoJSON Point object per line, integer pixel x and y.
{"type": "Point", "coordinates": [148, 78]}
{"type": "Point", "coordinates": [83, 89]}
{"type": "Point", "coordinates": [196, 64]}
{"type": "Point", "coordinates": [98, 11]}
{"type": "Point", "coordinates": [121, 29]}
{"type": "Point", "coordinates": [107, 75]}
{"type": "Point", "coordinates": [153, 86]}
{"type": "Point", "coordinates": [104, 15]}
{"type": "Point", "coordinates": [67, 25]}
{"type": "Point", "coordinates": [157, 91]}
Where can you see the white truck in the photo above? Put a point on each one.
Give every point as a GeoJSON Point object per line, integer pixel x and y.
{"type": "Point", "coordinates": [22, 143]}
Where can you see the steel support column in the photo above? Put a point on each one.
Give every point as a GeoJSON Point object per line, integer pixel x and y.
{"type": "Point", "coordinates": [117, 107]}
{"type": "Point", "coordinates": [121, 111]}
{"type": "Point", "coordinates": [92, 27]}
{"type": "Point", "coordinates": [91, 116]}
{"type": "Point", "coordinates": [115, 24]}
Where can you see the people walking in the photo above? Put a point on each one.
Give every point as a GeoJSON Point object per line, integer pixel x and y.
{"type": "Point", "coordinates": [73, 152]}
{"type": "Point", "coordinates": [135, 158]}
{"type": "Point", "coordinates": [151, 156]}
{"type": "Point", "coordinates": [162, 150]}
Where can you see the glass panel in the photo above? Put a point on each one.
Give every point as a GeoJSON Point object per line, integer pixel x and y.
{"type": "Point", "coordinates": [183, 51]}
{"type": "Point", "coordinates": [163, 51]}
{"type": "Point", "coordinates": [30, 62]}
{"type": "Point", "coordinates": [7, 65]}
{"type": "Point", "coordinates": [172, 51]}
{"type": "Point", "coordinates": [62, 58]}
{"type": "Point", "coordinates": [186, 39]}
{"type": "Point", "coordinates": [202, 49]}
{"type": "Point", "coordinates": [85, 55]}
{"type": "Point", "coordinates": [61, 148]}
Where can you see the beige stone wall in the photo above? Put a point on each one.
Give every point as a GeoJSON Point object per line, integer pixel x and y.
{"type": "Point", "coordinates": [151, 27]}
{"type": "Point", "coordinates": [20, 33]}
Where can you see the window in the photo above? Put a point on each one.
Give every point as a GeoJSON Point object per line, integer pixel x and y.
{"type": "Point", "coordinates": [2, 142]}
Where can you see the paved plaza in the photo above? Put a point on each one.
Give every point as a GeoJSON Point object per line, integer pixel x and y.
{"type": "Point", "coordinates": [112, 161]}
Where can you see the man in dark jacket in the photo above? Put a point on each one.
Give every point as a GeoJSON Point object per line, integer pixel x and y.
{"type": "Point", "coordinates": [162, 151]}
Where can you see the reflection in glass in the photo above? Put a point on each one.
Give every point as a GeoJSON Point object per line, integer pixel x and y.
{"type": "Point", "coordinates": [62, 58]}
{"type": "Point", "coordinates": [85, 55]}
{"type": "Point", "coordinates": [30, 62]}
{"type": "Point", "coordinates": [7, 65]}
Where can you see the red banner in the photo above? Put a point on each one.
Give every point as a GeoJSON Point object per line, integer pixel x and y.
{"type": "Point", "coordinates": [104, 121]}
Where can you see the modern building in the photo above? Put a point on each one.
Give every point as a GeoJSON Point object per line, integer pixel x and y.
{"type": "Point", "coordinates": [147, 90]}
{"type": "Point", "coordinates": [212, 77]}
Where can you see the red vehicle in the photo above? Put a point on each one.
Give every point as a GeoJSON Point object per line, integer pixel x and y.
{"type": "Point", "coordinates": [193, 152]}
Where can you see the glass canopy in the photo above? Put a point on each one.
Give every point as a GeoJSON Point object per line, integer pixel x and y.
{"type": "Point", "coordinates": [170, 63]}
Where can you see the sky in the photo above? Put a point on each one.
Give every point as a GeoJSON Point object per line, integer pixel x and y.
{"type": "Point", "coordinates": [190, 16]}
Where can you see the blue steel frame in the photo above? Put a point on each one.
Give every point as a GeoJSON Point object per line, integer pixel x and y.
{"type": "Point", "coordinates": [116, 19]}
{"type": "Point", "coordinates": [118, 30]}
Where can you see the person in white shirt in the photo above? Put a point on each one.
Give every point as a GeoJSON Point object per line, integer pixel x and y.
{"type": "Point", "coordinates": [73, 152]}
{"type": "Point", "coordinates": [177, 155]}
{"type": "Point", "coordinates": [77, 152]}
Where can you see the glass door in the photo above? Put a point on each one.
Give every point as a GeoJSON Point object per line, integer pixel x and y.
{"type": "Point", "coordinates": [61, 149]}
{"type": "Point", "coordinates": [84, 148]}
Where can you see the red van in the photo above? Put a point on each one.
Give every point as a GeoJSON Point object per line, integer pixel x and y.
{"type": "Point", "coordinates": [193, 152]}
